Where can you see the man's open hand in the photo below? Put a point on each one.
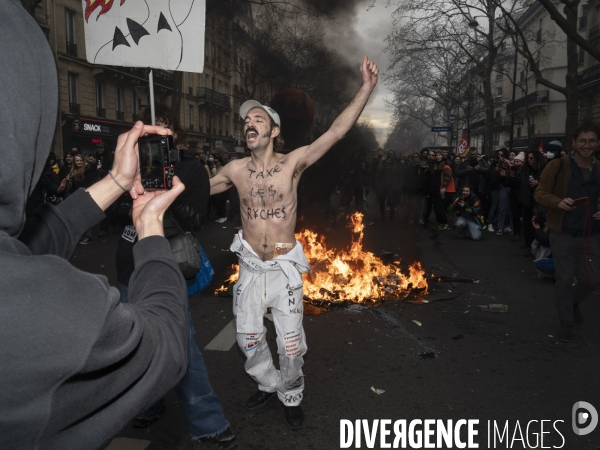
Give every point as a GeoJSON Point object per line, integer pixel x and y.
{"type": "Point", "coordinates": [369, 72]}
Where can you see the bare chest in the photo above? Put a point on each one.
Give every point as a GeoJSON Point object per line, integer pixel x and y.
{"type": "Point", "coordinates": [267, 189]}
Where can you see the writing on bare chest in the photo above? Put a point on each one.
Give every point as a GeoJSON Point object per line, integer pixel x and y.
{"type": "Point", "coordinates": [265, 195]}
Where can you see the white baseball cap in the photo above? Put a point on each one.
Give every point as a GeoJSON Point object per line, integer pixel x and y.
{"type": "Point", "coordinates": [250, 104]}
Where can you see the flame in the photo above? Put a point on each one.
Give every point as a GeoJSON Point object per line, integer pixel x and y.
{"type": "Point", "coordinates": [354, 275]}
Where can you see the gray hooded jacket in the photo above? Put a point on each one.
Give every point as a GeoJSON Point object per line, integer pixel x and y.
{"type": "Point", "coordinates": [75, 364]}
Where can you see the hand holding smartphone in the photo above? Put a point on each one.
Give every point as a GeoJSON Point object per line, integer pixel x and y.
{"type": "Point", "coordinates": [579, 201]}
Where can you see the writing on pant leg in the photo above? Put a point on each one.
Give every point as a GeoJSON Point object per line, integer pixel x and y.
{"type": "Point", "coordinates": [294, 383]}
{"type": "Point", "coordinates": [291, 341]}
{"type": "Point", "coordinates": [292, 302]}
{"type": "Point", "coordinates": [251, 342]}
{"type": "Point", "coordinates": [292, 398]}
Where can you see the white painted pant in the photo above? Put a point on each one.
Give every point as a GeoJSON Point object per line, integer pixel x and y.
{"type": "Point", "coordinates": [271, 289]}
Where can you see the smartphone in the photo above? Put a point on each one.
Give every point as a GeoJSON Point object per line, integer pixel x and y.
{"type": "Point", "coordinates": [579, 201]}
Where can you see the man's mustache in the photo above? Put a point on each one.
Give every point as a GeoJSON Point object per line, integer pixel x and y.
{"type": "Point", "coordinates": [249, 129]}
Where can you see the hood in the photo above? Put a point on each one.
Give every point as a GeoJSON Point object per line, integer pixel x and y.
{"type": "Point", "coordinates": [29, 99]}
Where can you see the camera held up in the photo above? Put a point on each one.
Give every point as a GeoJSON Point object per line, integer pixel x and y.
{"type": "Point", "coordinates": [158, 155]}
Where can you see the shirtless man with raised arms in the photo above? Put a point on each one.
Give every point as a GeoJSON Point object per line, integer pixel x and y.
{"type": "Point", "coordinates": [271, 260]}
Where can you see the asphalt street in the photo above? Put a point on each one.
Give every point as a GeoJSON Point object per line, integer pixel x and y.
{"type": "Point", "coordinates": [461, 363]}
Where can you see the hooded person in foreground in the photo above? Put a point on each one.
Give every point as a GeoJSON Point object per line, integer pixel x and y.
{"type": "Point", "coordinates": [76, 365]}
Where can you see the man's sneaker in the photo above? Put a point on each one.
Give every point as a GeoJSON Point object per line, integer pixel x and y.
{"type": "Point", "coordinates": [224, 440]}
{"type": "Point", "coordinates": [85, 241]}
{"type": "Point", "coordinates": [103, 233]}
{"type": "Point", "coordinates": [507, 230]}
{"type": "Point", "coordinates": [491, 228]}
{"type": "Point", "coordinates": [221, 220]}
{"type": "Point", "coordinates": [578, 316]}
{"type": "Point", "coordinates": [143, 421]}
{"type": "Point", "coordinates": [421, 222]}
{"type": "Point", "coordinates": [258, 400]}
{"type": "Point", "coordinates": [443, 227]}
{"type": "Point", "coordinates": [565, 334]}
{"type": "Point", "coordinates": [499, 233]}
{"type": "Point", "coordinates": [294, 416]}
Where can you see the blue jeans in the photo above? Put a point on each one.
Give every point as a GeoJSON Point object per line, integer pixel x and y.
{"type": "Point", "coordinates": [545, 266]}
{"type": "Point", "coordinates": [474, 227]}
{"type": "Point", "coordinates": [500, 205]}
{"type": "Point", "coordinates": [200, 406]}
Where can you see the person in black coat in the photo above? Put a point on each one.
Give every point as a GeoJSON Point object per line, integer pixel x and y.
{"type": "Point", "coordinates": [200, 406]}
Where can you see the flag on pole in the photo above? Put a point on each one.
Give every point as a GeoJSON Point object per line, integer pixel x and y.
{"type": "Point", "coordinates": [462, 147]}
{"type": "Point", "coordinates": [157, 34]}
{"type": "Point", "coordinates": [541, 147]}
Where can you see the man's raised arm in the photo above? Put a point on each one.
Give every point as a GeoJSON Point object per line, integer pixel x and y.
{"type": "Point", "coordinates": [346, 120]}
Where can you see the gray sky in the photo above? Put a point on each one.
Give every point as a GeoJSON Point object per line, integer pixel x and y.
{"type": "Point", "coordinates": [359, 32]}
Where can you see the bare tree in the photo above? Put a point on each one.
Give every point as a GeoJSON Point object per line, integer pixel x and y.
{"type": "Point", "coordinates": [458, 22]}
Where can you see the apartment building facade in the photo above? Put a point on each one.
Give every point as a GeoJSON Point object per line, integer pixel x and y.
{"type": "Point", "coordinates": [97, 103]}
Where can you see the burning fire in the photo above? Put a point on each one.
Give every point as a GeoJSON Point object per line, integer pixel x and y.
{"type": "Point", "coordinates": [354, 275]}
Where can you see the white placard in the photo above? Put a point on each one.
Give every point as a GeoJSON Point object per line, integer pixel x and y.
{"type": "Point", "coordinates": [159, 34]}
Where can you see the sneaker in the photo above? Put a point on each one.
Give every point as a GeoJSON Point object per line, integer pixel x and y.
{"type": "Point", "coordinates": [443, 227]}
{"type": "Point", "coordinates": [85, 241]}
{"type": "Point", "coordinates": [578, 316]}
{"type": "Point", "coordinates": [565, 334]}
{"type": "Point", "coordinates": [224, 440]}
{"type": "Point", "coordinates": [491, 228]}
{"type": "Point", "coordinates": [421, 222]}
{"type": "Point", "coordinates": [258, 400]}
{"type": "Point", "coordinates": [143, 421]}
{"type": "Point", "coordinates": [507, 230]}
{"type": "Point", "coordinates": [103, 233]}
{"type": "Point", "coordinates": [499, 232]}
{"type": "Point", "coordinates": [221, 220]}
{"type": "Point", "coordinates": [294, 416]}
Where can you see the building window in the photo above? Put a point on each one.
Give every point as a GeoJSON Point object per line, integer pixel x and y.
{"type": "Point", "coordinates": [581, 57]}
{"type": "Point", "coordinates": [499, 92]}
{"type": "Point", "coordinates": [100, 110]}
{"type": "Point", "coordinates": [499, 71]}
{"type": "Point", "coordinates": [496, 138]}
{"type": "Point", "coordinates": [583, 18]}
{"type": "Point", "coordinates": [119, 103]}
{"type": "Point", "coordinates": [522, 75]}
{"type": "Point", "coordinates": [70, 32]}
{"type": "Point", "coordinates": [135, 106]}
{"type": "Point", "coordinates": [519, 132]}
{"type": "Point", "coordinates": [72, 87]}
{"type": "Point", "coordinates": [498, 113]}
{"type": "Point", "coordinates": [191, 122]}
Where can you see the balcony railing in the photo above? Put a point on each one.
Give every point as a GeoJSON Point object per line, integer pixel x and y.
{"type": "Point", "coordinates": [101, 112]}
{"type": "Point", "coordinates": [163, 77]}
{"type": "Point", "coordinates": [589, 75]}
{"type": "Point", "coordinates": [74, 108]}
{"type": "Point", "coordinates": [533, 99]}
{"type": "Point", "coordinates": [120, 115]}
{"type": "Point", "coordinates": [71, 49]}
{"type": "Point", "coordinates": [214, 97]}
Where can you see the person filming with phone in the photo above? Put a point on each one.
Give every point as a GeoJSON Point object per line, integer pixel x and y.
{"type": "Point", "coordinates": [569, 188]}
{"type": "Point", "coordinates": [75, 363]}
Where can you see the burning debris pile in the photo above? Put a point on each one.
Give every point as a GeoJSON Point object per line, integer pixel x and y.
{"type": "Point", "coordinates": [341, 277]}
